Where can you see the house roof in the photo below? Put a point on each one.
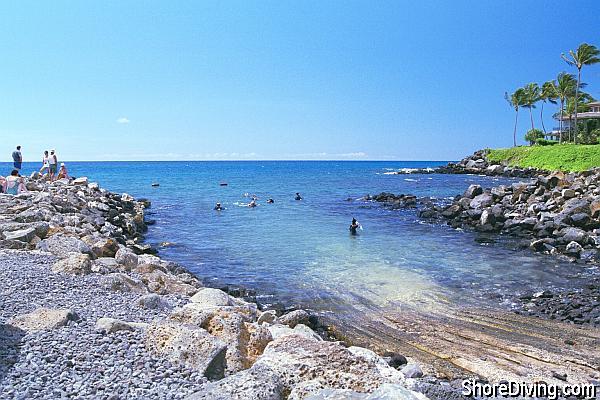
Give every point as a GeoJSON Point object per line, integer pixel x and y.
{"type": "Point", "coordinates": [583, 115]}
{"type": "Point", "coordinates": [594, 103]}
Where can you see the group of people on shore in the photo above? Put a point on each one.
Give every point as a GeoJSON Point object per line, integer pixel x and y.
{"type": "Point", "coordinates": [50, 167]}
{"type": "Point", "coordinates": [15, 184]}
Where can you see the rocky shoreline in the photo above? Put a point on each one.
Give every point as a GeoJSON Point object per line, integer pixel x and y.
{"type": "Point", "coordinates": [476, 164]}
{"type": "Point", "coordinates": [88, 311]}
{"type": "Point", "coordinates": [552, 213]}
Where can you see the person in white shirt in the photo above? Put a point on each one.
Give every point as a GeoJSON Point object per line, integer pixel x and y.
{"type": "Point", "coordinates": [52, 165]}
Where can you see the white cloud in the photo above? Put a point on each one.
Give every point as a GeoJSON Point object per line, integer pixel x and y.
{"type": "Point", "coordinates": [123, 120]}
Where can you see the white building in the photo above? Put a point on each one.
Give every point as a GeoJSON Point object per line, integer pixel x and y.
{"type": "Point", "coordinates": [593, 113]}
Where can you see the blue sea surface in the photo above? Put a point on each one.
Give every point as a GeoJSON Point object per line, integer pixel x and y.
{"type": "Point", "coordinates": [301, 253]}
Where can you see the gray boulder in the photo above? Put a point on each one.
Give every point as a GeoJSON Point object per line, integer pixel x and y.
{"type": "Point", "coordinates": [575, 205]}
{"type": "Point", "coordinates": [74, 263]}
{"type": "Point", "coordinates": [43, 319]}
{"type": "Point", "coordinates": [189, 345]}
{"type": "Point", "coordinates": [62, 245]}
{"type": "Point", "coordinates": [573, 249]}
{"type": "Point", "coordinates": [482, 201]}
{"type": "Point", "coordinates": [279, 330]}
{"type": "Point", "coordinates": [412, 371]}
{"type": "Point", "coordinates": [574, 235]}
{"type": "Point", "coordinates": [495, 169]}
{"type": "Point", "coordinates": [120, 282]}
{"type": "Point", "coordinates": [384, 392]}
{"type": "Point", "coordinates": [126, 257]}
{"type": "Point", "coordinates": [297, 359]}
{"type": "Point", "coordinates": [568, 193]}
{"type": "Point", "coordinates": [111, 325]}
{"type": "Point", "coordinates": [153, 301]}
{"type": "Point", "coordinates": [23, 235]}
{"type": "Point", "coordinates": [34, 215]}
{"type": "Point", "coordinates": [580, 220]}
{"type": "Point", "coordinates": [105, 265]}
{"type": "Point", "coordinates": [294, 318]}
{"type": "Point", "coordinates": [451, 211]}
{"type": "Point", "coordinates": [267, 317]}
{"type": "Point", "coordinates": [499, 191]}
{"type": "Point", "coordinates": [81, 181]}
{"type": "Point", "coordinates": [209, 297]}
{"type": "Point", "coordinates": [487, 217]}
{"type": "Point", "coordinates": [105, 247]}
{"type": "Point", "coordinates": [258, 383]}
{"type": "Point", "coordinates": [472, 191]}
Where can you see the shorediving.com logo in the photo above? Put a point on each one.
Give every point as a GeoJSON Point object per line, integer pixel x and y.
{"type": "Point", "coordinates": [473, 388]}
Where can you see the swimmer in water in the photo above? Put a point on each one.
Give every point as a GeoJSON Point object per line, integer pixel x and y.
{"type": "Point", "coordinates": [298, 197]}
{"type": "Point", "coordinates": [354, 226]}
{"type": "Point", "coordinates": [270, 201]}
{"type": "Point", "coordinates": [218, 207]}
{"type": "Point", "coordinates": [252, 203]}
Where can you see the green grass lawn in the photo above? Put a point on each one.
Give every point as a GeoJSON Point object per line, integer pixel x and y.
{"type": "Point", "coordinates": [565, 157]}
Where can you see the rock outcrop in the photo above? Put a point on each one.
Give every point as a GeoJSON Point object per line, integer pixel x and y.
{"type": "Point", "coordinates": [477, 164]}
{"type": "Point", "coordinates": [557, 212]}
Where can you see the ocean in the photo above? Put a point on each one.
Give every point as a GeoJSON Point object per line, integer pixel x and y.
{"type": "Point", "coordinates": [300, 253]}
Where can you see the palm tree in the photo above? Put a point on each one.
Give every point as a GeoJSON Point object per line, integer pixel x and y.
{"type": "Point", "coordinates": [571, 108]}
{"type": "Point", "coordinates": [532, 94]}
{"type": "Point", "coordinates": [547, 94]}
{"type": "Point", "coordinates": [562, 88]}
{"type": "Point", "coordinates": [515, 100]}
{"type": "Point", "coordinates": [586, 54]}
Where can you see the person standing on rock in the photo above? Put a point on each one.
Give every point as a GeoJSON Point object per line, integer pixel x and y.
{"type": "Point", "coordinates": [45, 166]}
{"type": "Point", "coordinates": [17, 158]}
{"type": "Point", "coordinates": [52, 165]}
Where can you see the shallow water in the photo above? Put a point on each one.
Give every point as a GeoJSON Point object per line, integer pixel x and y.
{"type": "Point", "coordinates": [300, 252]}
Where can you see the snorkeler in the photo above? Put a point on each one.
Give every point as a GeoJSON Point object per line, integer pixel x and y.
{"type": "Point", "coordinates": [354, 226]}
{"type": "Point", "coordinates": [298, 197]}
{"type": "Point", "coordinates": [270, 201]}
{"type": "Point", "coordinates": [218, 207]}
{"type": "Point", "coordinates": [252, 203]}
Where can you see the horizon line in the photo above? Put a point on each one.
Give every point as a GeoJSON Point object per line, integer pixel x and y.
{"type": "Point", "coordinates": [245, 160]}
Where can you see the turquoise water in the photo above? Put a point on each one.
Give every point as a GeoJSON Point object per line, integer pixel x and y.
{"type": "Point", "coordinates": [300, 252]}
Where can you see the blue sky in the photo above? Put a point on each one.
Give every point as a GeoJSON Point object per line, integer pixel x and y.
{"type": "Point", "coordinates": [406, 80]}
